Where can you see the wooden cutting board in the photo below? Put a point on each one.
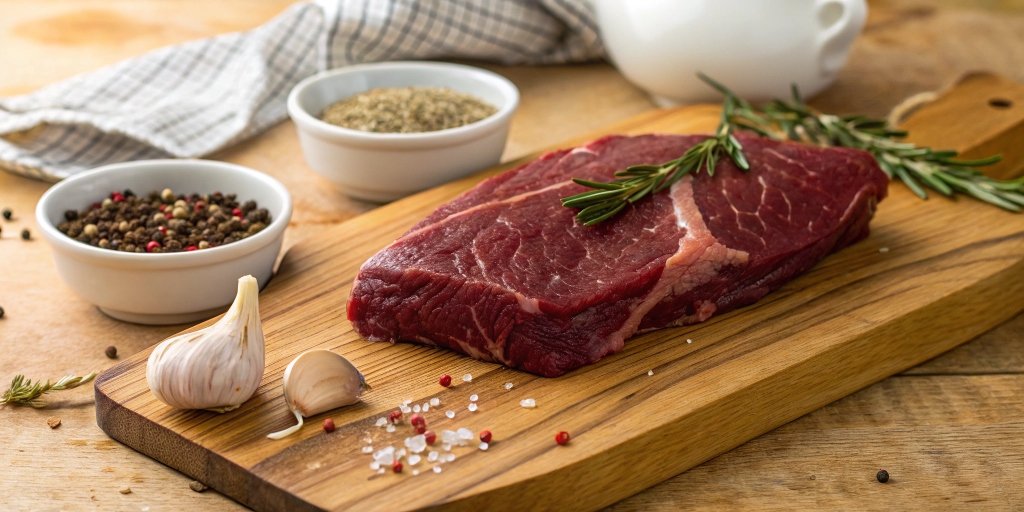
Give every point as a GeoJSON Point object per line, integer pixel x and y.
{"type": "Point", "coordinates": [931, 276]}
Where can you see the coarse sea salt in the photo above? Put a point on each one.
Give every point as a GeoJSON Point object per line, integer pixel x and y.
{"type": "Point", "coordinates": [426, 407]}
{"type": "Point", "coordinates": [384, 456]}
{"type": "Point", "coordinates": [528, 403]}
{"type": "Point", "coordinates": [415, 472]}
{"type": "Point", "coordinates": [508, 386]}
{"type": "Point", "coordinates": [450, 457]}
{"type": "Point", "coordinates": [381, 422]}
{"type": "Point", "coordinates": [465, 434]}
{"type": "Point", "coordinates": [450, 414]}
{"type": "Point", "coordinates": [474, 397]}
{"type": "Point", "coordinates": [416, 408]}
{"type": "Point", "coordinates": [405, 409]}
{"type": "Point", "coordinates": [449, 437]}
{"type": "Point", "coordinates": [432, 456]}
{"type": "Point", "coordinates": [484, 447]}
{"type": "Point", "coordinates": [883, 249]}
{"type": "Point", "coordinates": [367, 449]}
{"type": "Point", "coordinates": [437, 469]}
{"type": "Point", "coordinates": [467, 377]}
{"type": "Point", "coordinates": [414, 459]}
{"type": "Point", "coordinates": [688, 340]}
{"type": "Point", "coordinates": [374, 465]}
{"type": "Point", "coordinates": [472, 407]}
{"type": "Point", "coordinates": [406, 401]}
{"type": "Point", "coordinates": [416, 444]}
{"type": "Point", "coordinates": [650, 372]}
{"type": "Point", "coordinates": [434, 402]}
{"type": "Point", "coordinates": [389, 429]}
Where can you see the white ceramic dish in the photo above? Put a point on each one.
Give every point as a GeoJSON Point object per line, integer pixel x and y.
{"type": "Point", "coordinates": [756, 48]}
{"type": "Point", "coordinates": [167, 288]}
{"type": "Point", "coordinates": [386, 166]}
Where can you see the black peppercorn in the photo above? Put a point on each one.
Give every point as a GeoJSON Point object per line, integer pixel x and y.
{"type": "Point", "coordinates": [1, 312]}
{"type": "Point", "coordinates": [26, 234]}
{"type": "Point", "coordinates": [7, 213]}
{"type": "Point", "coordinates": [111, 351]}
{"type": "Point", "coordinates": [882, 476]}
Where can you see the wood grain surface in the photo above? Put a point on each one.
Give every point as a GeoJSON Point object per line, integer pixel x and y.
{"type": "Point", "coordinates": [916, 288]}
{"type": "Point", "coordinates": [908, 46]}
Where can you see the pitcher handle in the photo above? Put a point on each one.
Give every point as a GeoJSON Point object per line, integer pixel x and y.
{"type": "Point", "coordinates": [834, 41]}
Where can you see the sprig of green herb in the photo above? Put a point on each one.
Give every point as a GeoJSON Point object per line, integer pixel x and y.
{"type": "Point", "coordinates": [639, 181]}
{"type": "Point", "coordinates": [916, 166]}
{"type": "Point", "coordinates": [25, 392]}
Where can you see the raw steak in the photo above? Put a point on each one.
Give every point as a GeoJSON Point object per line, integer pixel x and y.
{"type": "Point", "coordinates": [506, 274]}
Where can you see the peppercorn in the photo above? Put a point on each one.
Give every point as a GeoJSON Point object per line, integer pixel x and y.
{"type": "Point", "coordinates": [562, 438]}
{"type": "Point", "coordinates": [430, 437]}
{"type": "Point", "coordinates": [7, 213]}
{"type": "Point", "coordinates": [111, 352]}
{"type": "Point", "coordinates": [446, 380]}
{"type": "Point", "coordinates": [397, 466]}
{"type": "Point", "coordinates": [1, 312]}
{"type": "Point", "coordinates": [394, 416]}
{"type": "Point", "coordinates": [417, 419]}
{"type": "Point", "coordinates": [485, 436]}
{"type": "Point", "coordinates": [882, 476]}
{"type": "Point", "coordinates": [26, 234]}
{"type": "Point", "coordinates": [328, 425]}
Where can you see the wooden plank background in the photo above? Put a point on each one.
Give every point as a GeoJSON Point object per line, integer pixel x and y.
{"type": "Point", "coordinates": [949, 431]}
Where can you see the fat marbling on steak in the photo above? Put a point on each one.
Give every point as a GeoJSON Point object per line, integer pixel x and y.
{"type": "Point", "coordinates": [505, 273]}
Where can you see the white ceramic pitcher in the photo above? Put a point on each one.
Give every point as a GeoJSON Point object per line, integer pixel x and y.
{"type": "Point", "coordinates": [755, 47]}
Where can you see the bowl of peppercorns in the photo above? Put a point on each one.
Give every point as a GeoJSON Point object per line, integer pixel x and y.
{"type": "Point", "coordinates": [164, 241]}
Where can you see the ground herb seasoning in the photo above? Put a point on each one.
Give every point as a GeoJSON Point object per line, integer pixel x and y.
{"type": "Point", "coordinates": [407, 110]}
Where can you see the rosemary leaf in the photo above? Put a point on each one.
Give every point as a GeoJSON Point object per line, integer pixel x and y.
{"type": "Point", "coordinates": [26, 392]}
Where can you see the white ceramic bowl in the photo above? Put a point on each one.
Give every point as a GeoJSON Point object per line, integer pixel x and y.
{"type": "Point", "coordinates": [386, 166]}
{"type": "Point", "coordinates": [164, 288]}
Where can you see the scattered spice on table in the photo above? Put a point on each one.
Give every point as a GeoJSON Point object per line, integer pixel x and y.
{"type": "Point", "coordinates": [53, 422]}
{"type": "Point", "coordinates": [1, 312]}
{"type": "Point", "coordinates": [882, 476]}
{"type": "Point", "coordinates": [26, 392]}
{"type": "Point", "coordinates": [26, 234]}
{"type": "Point", "coordinates": [197, 486]}
{"type": "Point", "coordinates": [562, 438]}
{"type": "Point", "coordinates": [329, 425]}
{"type": "Point", "coordinates": [111, 352]}
{"type": "Point", "coordinates": [125, 490]}
{"type": "Point", "coordinates": [407, 110]}
{"type": "Point", "coordinates": [445, 380]}
{"type": "Point", "coordinates": [7, 213]}
{"type": "Point", "coordinates": [163, 221]}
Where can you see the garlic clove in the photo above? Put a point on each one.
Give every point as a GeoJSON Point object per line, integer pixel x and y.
{"type": "Point", "coordinates": [318, 381]}
{"type": "Point", "coordinates": [218, 367]}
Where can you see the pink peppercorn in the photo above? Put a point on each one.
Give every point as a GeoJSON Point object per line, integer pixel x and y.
{"type": "Point", "coordinates": [562, 438]}
{"type": "Point", "coordinates": [191, 248]}
{"type": "Point", "coordinates": [394, 416]}
{"type": "Point", "coordinates": [485, 436]}
{"type": "Point", "coordinates": [152, 245]}
{"type": "Point", "coordinates": [396, 467]}
{"type": "Point", "coordinates": [328, 425]}
{"type": "Point", "coordinates": [445, 380]}
{"type": "Point", "coordinates": [430, 436]}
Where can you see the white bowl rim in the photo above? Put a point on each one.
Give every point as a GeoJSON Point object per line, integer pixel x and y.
{"type": "Point", "coordinates": [212, 255]}
{"type": "Point", "coordinates": [487, 124]}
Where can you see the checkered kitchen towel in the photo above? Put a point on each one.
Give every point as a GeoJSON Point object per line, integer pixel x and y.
{"type": "Point", "coordinates": [192, 99]}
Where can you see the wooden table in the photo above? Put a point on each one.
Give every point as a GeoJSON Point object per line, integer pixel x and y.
{"type": "Point", "coordinates": [951, 431]}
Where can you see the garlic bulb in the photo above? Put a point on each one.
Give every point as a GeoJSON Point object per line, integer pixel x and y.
{"type": "Point", "coordinates": [216, 368]}
{"type": "Point", "coordinates": [317, 381]}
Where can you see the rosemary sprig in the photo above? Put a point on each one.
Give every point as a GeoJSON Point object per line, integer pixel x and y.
{"type": "Point", "coordinates": [916, 166]}
{"type": "Point", "coordinates": [639, 181]}
{"type": "Point", "coordinates": [25, 392]}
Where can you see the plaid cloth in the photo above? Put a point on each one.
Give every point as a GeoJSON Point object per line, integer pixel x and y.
{"type": "Point", "coordinates": [195, 98]}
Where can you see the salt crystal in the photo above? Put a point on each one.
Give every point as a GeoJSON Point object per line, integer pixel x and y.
{"type": "Point", "coordinates": [367, 449]}
{"type": "Point", "coordinates": [467, 377]}
{"type": "Point", "coordinates": [381, 471]}
{"type": "Point", "coordinates": [465, 434]}
{"type": "Point", "coordinates": [449, 437]}
{"type": "Point", "coordinates": [528, 403]}
{"type": "Point", "coordinates": [450, 414]}
{"type": "Point", "coordinates": [434, 402]}
{"type": "Point", "coordinates": [414, 459]}
{"type": "Point", "coordinates": [437, 469]}
{"type": "Point", "coordinates": [688, 340]}
{"type": "Point", "coordinates": [367, 439]}
{"type": "Point", "coordinates": [508, 386]}
{"type": "Point", "coordinates": [450, 457]}
{"type": "Point", "coordinates": [381, 422]}
{"type": "Point", "coordinates": [473, 398]}
{"type": "Point", "coordinates": [405, 409]}
{"type": "Point", "coordinates": [432, 456]}
{"type": "Point", "coordinates": [883, 249]}
{"type": "Point", "coordinates": [416, 444]}
{"type": "Point", "coordinates": [389, 429]}
{"type": "Point", "coordinates": [416, 408]}
{"type": "Point", "coordinates": [384, 456]}
{"type": "Point", "coordinates": [446, 447]}
{"type": "Point", "coordinates": [374, 465]}
{"type": "Point", "coordinates": [406, 401]}
{"type": "Point", "coordinates": [484, 447]}
{"type": "Point", "coordinates": [415, 472]}
{"type": "Point", "coordinates": [472, 407]}
{"type": "Point", "coordinates": [426, 407]}
{"type": "Point", "coordinates": [650, 373]}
